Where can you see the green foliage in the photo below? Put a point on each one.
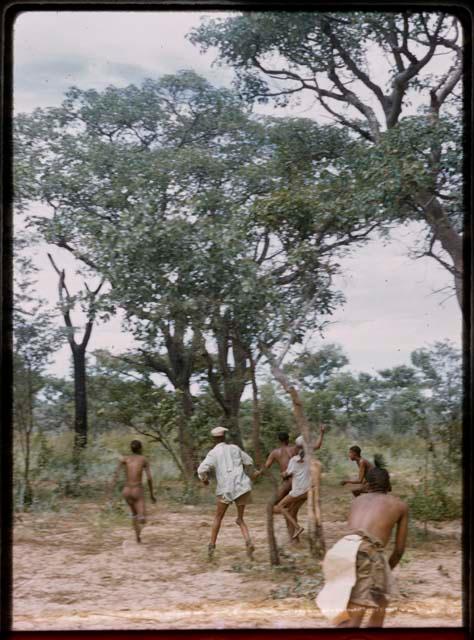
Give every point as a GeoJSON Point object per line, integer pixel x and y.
{"type": "Point", "coordinates": [398, 162]}
{"type": "Point", "coordinates": [432, 503]}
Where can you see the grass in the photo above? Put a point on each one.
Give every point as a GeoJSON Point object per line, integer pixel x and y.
{"type": "Point", "coordinates": [52, 472]}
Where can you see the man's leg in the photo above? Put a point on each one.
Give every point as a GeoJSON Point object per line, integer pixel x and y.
{"type": "Point", "coordinates": [140, 518]}
{"type": "Point", "coordinates": [282, 491]}
{"type": "Point", "coordinates": [283, 508]}
{"type": "Point", "coordinates": [244, 529]}
{"type": "Point", "coordinates": [221, 508]}
{"type": "Point", "coordinates": [129, 499]}
{"type": "Point", "coordinates": [356, 614]}
{"type": "Point", "coordinates": [377, 617]}
{"type": "Point", "coordinates": [293, 510]}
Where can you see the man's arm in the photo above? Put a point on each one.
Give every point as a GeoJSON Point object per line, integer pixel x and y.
{"type": "Point", "coordinates": [268, 463]}
{"type": "Point", "coordinates": [319, 441]}
{"type": "Point", "coordinates": [289, 470]}
{"type": "Point", "coordinates": [400, 538]}
{"type": "Point", "coordinates": [360, 479]}
{"type": "Point", "coordinates": [206, 465]}
{"type": "Point", "coordinates": [149, 479]}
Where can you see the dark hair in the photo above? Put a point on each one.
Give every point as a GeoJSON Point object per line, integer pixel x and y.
{"type": "Point", "coordinates": [136, 446]}
{"type": "Point", "coordinates": [283, 436]}
{"type": "Point", "coordinates": [355, 449]}
{"type": "Point", "coordinates": [378, 479]}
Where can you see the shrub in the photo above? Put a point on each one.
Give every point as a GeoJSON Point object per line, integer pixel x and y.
{"type": "Point", "coordinates": [433, 503]}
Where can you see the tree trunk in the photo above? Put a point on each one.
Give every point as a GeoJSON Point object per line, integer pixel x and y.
{"type": "Point", "coordinates": [28, 490]}
{"type": "Point", "coordinates": [316, 538]}
{"type": "Point", "coordinates": [450, 239]}
{"type": "Point", "coordinates": [80, 399]}
{"type": "Point", "coordinates": [231, 422]}
{"type": "Point", "coordinates": [272, 543]}
{"type": "Point", "coordinates": [255, 416]}
{"type": "Point", "coordinates": [316, 535]}
{"type": "Point", "coordinates": [186, 447]}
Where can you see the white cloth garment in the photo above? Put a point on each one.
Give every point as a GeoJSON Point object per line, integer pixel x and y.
{"type": "Point", "coordinates": [342, 583]}
{"type": "Point", "coordinates": [228, 461]}
{"type": "Point", "coordinates": [301, 475]}
{"type": "Point", "coordinates": [339, 568]}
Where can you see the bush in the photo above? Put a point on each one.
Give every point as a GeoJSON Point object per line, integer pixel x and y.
{"type": "Point", "coordinates": [433, 504]}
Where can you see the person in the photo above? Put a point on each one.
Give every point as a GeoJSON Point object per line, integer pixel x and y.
{"type": "Point", "coordinates": [364, 466]}
{"type": "Point", "coordinates": [299, 472]}
{"type": "Point", "coordinates": [358, 577]}
{"type": "Point", "coordinates": [233, 484]}
{"type": "Point", "coordinates": [282, 456]}
{"type": "Point", "coordinates": [134, 465]}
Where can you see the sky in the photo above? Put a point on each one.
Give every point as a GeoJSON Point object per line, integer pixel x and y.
{"type": "Point", "coordinates": [394, 304]}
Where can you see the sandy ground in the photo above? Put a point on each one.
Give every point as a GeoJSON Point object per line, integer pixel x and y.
{"type": "Point", "coordinates": [83, 570]}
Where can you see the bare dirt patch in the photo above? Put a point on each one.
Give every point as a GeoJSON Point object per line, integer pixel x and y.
{"type": "Point", "coordinates": [83, 570]}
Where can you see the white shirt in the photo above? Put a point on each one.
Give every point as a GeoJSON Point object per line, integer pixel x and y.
{"type": "Point", "coordinates": [300, 475]}
{"type": "Point", "coordinates": [228, 460]}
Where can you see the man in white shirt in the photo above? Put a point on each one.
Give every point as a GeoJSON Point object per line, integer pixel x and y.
{"type": "Point", "coordinates": [300, 473]}
{"type": "Point", "coordinates": [233, 484]}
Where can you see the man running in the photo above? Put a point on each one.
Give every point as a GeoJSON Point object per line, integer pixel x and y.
{"type": "Point", "coordinates": [348, 594]}
{"type": "Point", "coordinates": [133, 493]}
{"type": "Point", "coordinates": [298, 473]}
{"type": "Point", "coordinates": [364, 466]}
{"type": "Point", "coordinates": [233, 484]}
{"type": "Point", "coordinates": [282, 456]}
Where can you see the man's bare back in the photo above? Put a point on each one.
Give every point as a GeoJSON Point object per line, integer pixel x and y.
{"type": "Point", "coordinates": [377, 514]}
{"type": "Point", "coordinates": [134, 466]}
{"type": "Point", "coordinates": [282, 456]}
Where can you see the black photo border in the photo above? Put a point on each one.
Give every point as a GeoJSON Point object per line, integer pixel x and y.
{"type": "Point", "coordinates": [9, 11]}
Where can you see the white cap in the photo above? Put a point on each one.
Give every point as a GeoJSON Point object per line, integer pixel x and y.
{"type": "Point", "coordinates": [299, 441]}
{"type": "Point", "coordinates": [218, 431]}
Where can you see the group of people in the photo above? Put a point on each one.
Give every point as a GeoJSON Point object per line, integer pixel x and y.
{"type": "Point", "coordinates": [357, 573]}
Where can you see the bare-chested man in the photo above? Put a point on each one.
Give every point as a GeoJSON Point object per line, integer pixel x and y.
{"type": "Point", "coordinates": [133, 493]}
{"type": "Point", "coordinates": [364, 467]}
{"type": "Point", "coordinates": [372, 517]}
{"type": "Point", "coordinates": [282, 456]}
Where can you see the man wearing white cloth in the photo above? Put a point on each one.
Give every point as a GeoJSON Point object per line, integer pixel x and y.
{"type": "Point", "coordinates": [233, 484]}
{"type": "Point", "coordinates": [299, 471]}
{"type": "Point", "coordinates": [358, 576]}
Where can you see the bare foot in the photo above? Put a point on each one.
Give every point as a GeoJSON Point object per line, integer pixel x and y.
{"type": "Point", "coordinates": [297, 533]}
{"type": "Point", "coordinates": [210, 550]}
{"type": "Point", "coordinates": [250, 549]}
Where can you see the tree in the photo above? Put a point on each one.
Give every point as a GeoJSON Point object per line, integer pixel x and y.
{"type": "Point", "coordinates": [440, 373]}
{"type": "Point", "coordinates": [187, 257]}
{"type": "Point", "coordinates": [401, 166]}
{"type": "Point", "coordinates": [78, 349]}
{"type": "Point", "coordinates": [315, 369]}
{"type": "Point", "coordinates": [35, 339]}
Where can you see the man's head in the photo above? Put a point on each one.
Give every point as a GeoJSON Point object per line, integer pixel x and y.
{"type": "Point", "coordinates": [283, 437]}
{"type": "Point", "coordinates": [218, 433]}
{"type": "Point", "coordinates": [299, 442]}
{"type": "Point", "coordinates": [378, 480]}
{"type": "Point", "coordinates": [354, 453]}
{"type": "Point", "coordinates": [136, 446]}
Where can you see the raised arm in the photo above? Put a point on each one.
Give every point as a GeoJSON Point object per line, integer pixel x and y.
{"type": "Point", "coordinates": [319, 441]}
{"type": "Point", "coordinates": [146, 466]}
{"type": "Point", "coordinates": [400, 538]}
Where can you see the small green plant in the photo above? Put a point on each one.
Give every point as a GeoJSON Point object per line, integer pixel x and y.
{"type": "Point", "coordinates": [431, 503]}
